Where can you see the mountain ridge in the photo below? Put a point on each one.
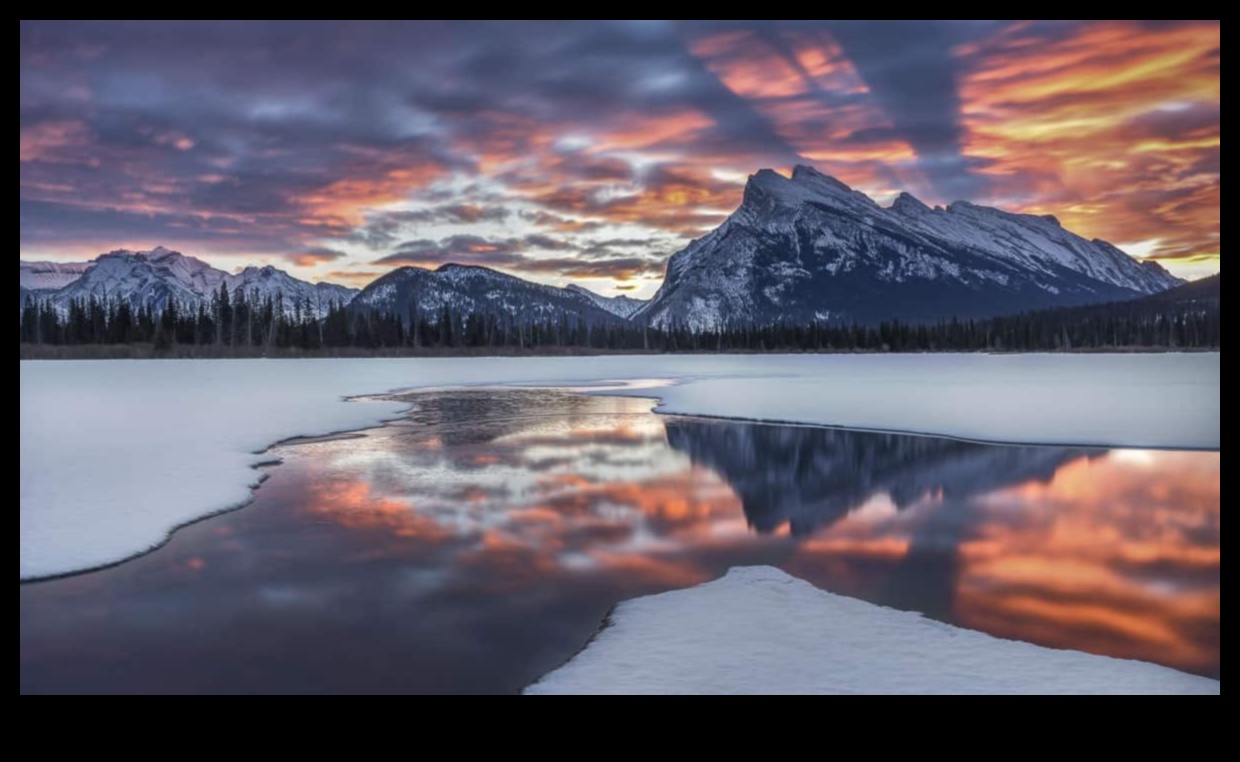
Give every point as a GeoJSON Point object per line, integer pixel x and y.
{"type": "Point", "coordinates": [622, 305]}
{"type": "Point", "coordinates": [808, 248]}
{"type": "Point", "coordinates": [157, 276]}
{"type": "Point", "coordinates": [800, 249]}
{"type": "Point", "coordinates": [472, 289]}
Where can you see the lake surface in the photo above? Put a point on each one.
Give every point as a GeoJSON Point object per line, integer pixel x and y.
{"type": "Point", "coordinates": [479, 542]}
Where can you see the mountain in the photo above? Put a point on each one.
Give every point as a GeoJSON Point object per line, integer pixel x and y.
{"type": "Point", "coordinates": [621, 305]}
{"type": "Point", "coordinates": [1204, 291]}
{"type": "Point", "coordinates": [50, 275]}
{"type": "Point", "coordinates": [809, 248]}
{"type": "Point", "coordinates": [155, 277]}
{"type": "Point", "coordinates": [152, 278]}
{"type": "Point", "coordinates": [468, 290]}
{"type": "Point", "coordinates": [268, 281]}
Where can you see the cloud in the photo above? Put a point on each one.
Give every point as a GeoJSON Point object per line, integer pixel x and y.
{"type": "Point", "coordinates": [49, 141]}
{"type": "Point", "coordinates": [275, 138]}
{"type": "Point", "coordinates": [313, 256]}
{"type": "Point", "coordinates": [910, 69]}
{"type": "Point", "coordinates": [382, 229]}
{"type": "Point", "coordinates": [510, 254]}
{"type": "Point", "coordinates": [1114, 127]}
{"type": "Point", "coordinates": [540, 241]}
{"type": "Point", "coordinates": [356, 278]}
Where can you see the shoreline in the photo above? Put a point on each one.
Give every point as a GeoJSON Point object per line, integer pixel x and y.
{"type": "Point", "coordinates": [406, 397]}
{"type": "Point", "coordinates": [53, 352]}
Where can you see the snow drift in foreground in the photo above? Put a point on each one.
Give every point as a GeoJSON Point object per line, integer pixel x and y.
{"type": "Point", "coordinates": [758, 630]}
{"type": "Point", "coordinates": [115, 454]}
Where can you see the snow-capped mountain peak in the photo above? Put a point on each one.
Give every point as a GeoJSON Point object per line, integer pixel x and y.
{"type": "Point", "coordinates": [809, 248]}
{"type": "Point", "coordinates": [909, 205]}
{"type": "Point", "coordinates": [468, 289]}
{"type": "Point", "coordinates": [160, 275]}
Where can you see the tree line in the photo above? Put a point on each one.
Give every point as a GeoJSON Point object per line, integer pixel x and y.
{"type": "Point", "coordinates": [254, 322]}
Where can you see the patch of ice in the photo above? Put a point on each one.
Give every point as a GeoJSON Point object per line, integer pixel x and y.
{"type": "Point", "coordinates": [759, 630]}
{"type": "Point", "coordinates": [115, 454]}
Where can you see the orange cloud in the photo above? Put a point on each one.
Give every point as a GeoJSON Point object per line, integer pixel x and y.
{"type": "Point", "coordinates": [343, 203]}
{"type": "Point", "coordinates": [46, 141]}
{"type": "Point", "coordinates": [357, 278]}
{"type": "Point", "coordinates": [313, 256]}
{"type": "Point", "coordinates": [814, 98]}
{"type": "Point", "coordinates": [1114, 129]}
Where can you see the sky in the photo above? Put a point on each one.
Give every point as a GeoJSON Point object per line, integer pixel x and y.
{"type": "Point", "coordinates": [589, 152]}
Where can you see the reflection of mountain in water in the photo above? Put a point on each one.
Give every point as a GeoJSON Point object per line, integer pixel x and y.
{"type": "Point", "coordinates": [812, 476]}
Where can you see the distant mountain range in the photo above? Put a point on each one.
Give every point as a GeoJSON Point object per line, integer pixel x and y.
{"type": "Point", "coordinates": [155, 277]}
{"type": "Point", "coordinates": [624, 306]}
{"type": "Point", "coordinates": [800, 249]}
{"type": "Point", "coordinates": [478, 290]}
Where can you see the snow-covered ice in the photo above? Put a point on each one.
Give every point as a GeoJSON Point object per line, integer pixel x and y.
{"type": "Point", "coordinates": [759, 630]}
{"type": "Point", "coordinates": [115, 454]}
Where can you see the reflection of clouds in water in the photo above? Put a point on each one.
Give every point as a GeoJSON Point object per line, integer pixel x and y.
{"type": "Point", "coordinates": [474, 554]}
{"type": "Point", "coordinates": [1121, 556]}
{"type": "Point", "coordinates": [1111, 552]}
{"type": "Point", "coordinates": [1111, 555]}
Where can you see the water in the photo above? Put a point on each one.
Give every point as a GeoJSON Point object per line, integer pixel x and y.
{"type": "Point", "coordinates": [477, 544]}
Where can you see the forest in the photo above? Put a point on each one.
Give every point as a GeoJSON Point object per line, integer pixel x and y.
{"type": "Point", "coordinates": [246, 325]}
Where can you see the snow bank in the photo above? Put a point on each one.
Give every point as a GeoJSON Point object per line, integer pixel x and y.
{"type": "Point", "coordinates": [758, 630]}
{"type": "Point", "coordinates": [114, 454]}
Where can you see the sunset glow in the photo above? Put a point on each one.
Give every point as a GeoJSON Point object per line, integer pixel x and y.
{"type": "Point", "coordinates": [1114, 552]}
{"type": "Point", "coordinates": [591, 151]}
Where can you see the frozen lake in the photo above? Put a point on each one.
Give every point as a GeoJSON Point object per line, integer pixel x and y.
{"type": "Point", "coordinates": [477, 543]}
{"type": "Point", "coordinates": [115, 454]}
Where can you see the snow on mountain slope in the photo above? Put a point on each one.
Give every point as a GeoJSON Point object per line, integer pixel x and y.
{"type": "Point", "coordinates": [50, 275]}
{"type": "Point", "coordinates": [809, 248]}
{"type": "Point", "coordinates": [151, 278]}
{"type": "Point", "coordinates": [269, 282]}
{"type": "Point", "coordinates": [467, 290]}
{"type": "Point", "coordinates": [621, 305]}
{"type": "Point", "coordinates": [155, 277]}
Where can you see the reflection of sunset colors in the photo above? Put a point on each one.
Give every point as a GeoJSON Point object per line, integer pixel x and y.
{"type": "Point", "coordinates": [477, 543]}
{"type": "Point", "coordinates": [597, 490]}
{"type": "Point", "coordinates": [1086, 567]}
{"type": "Point", "coordinates": [1115, 553]}
{"type": "Point", "coordinates": [354, 505]}
{"type": "Point", "coordinates": [1118, 555]}
{"type": "Point", "coordinates": [591, 151]}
